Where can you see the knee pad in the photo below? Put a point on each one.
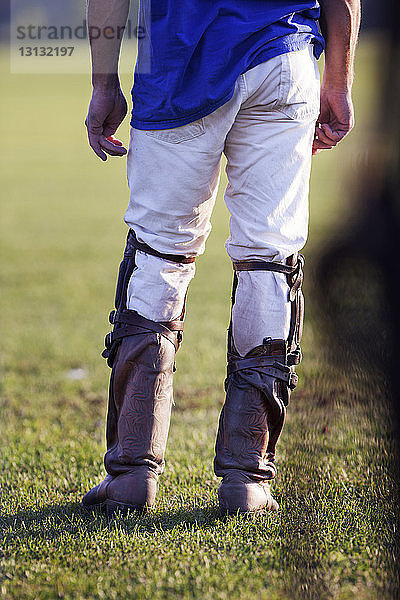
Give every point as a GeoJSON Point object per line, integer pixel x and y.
{"type": "Point", "coordinates": [128, 322]}
{"type": "Point", "coordinates": [293, 269]}
{"type": "Point", "coordinates": [276, 358]}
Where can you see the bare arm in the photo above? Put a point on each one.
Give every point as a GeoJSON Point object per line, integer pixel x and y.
{"type": "Point", "coordinates": [340, 23]}
{"type": "Point", "coordinates": [106, 21]}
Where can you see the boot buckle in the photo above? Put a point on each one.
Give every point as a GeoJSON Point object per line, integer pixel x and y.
{"type": "Point", "coordinates": [292, 380]}
{"type": "Point", "coordinates": [294, 357]}
{"type": "Point", "coordinates": [108, 340]}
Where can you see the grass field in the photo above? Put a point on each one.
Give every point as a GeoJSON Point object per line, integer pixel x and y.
{"type": "Point", "coordinates": [61, 240]}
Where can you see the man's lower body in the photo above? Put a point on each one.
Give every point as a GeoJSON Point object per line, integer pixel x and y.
{"type": "Point", "coordinates": [266, 132]}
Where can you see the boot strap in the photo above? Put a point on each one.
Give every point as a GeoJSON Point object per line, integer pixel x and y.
{"type": "Point", "coordinates": [130, 317]}
{"type": "Point", "coordinates": [128, 322]}
{"type": "Point", "coordinates": [269, 365]}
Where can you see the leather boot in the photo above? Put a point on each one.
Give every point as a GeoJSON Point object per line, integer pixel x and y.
{"type": "Point", "coordinates": [250, 424]}
{"type": "Point", "coordinates": [258, 388]}
{"type": "Point", "coordinates": [140, 400]}
{"type": "Point", "coordinates": [238, 493]}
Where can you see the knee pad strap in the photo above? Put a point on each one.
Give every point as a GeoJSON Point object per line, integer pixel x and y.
{"type": "Point", "coordinates": [178, 258]}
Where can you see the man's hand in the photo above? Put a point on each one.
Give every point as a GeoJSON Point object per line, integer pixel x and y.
{"type": "Point", "coordinates": [340, 22]}
{"type": "Point", "coordinates": [107, 110]}
{"type": "Point", "coordinates": [335, 121]}
{"type": "Point", "coordinates": [108, 106]}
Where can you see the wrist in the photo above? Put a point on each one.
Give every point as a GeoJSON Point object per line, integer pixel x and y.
{"type": "Point", "coordinates": [336, 89]}
{"type": "Point", "coordinates": [105, 82]}
{"type": "Point", "coordinates": [337, 81]}
{"type": "Point", "coordinates": [338, 70]}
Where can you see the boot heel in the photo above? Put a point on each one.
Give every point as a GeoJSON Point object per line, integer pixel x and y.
{"type": "Point", "coordinates": [246, 497]}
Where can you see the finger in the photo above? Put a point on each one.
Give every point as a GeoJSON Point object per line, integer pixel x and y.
{"type": "Point", "coordinates": [328, 131]}
{"type": "Point", "coordinates": [94, 144]}
{"type": "Point", "coordinates": [335, 134]}
{"type": "Point", "coordinates": [97, 150]}
{"type": "Point", "coordinates": [341, 133]}
{"type": "Point", "coordinates": [322, 145]}
{"type": "Point", "coordinates": [315, 150]}
{"type": "Point", "coordinates": [114, 140]}
{"type": "Point", "coordinates": [321, 135]}
{"type": "Point", "coordinates": [111, 148]}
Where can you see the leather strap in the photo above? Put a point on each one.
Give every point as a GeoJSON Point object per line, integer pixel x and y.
{"type": "Point", "coordinates": [131, 323]}
{"type": "Point", "coordinates": [258, 265]}
{"type": "Point", "coordinates": [295, 281]}
{"type": "Point", "coordinates": [178, 258]}
{"type": "Point", "coordinates": [130, 317]}
{"type": "Point", "coordinates": [238, 364]}
{"type": "Point", "coordinates": [269, 365]}
{"type": "Point", "coordinates": [122, 332]}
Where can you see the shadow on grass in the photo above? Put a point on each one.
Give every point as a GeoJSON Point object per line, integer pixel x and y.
{"type": "Point", "coordinates": [55, 520]}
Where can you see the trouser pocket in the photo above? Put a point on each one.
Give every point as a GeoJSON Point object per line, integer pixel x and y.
{"type": "Point", "coordinates": [299, 89]}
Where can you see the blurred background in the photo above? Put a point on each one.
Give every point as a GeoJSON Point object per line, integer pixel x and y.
{"type": "Point", "coordinates": [61, 239]}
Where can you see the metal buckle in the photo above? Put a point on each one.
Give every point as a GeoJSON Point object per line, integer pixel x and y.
{"type": "Point", "coordinates": [270, 470]}
{"type": "Point", "coordinates": [294, 357]}
{"type": "Point", "coordinates": [292, 380]}
{"type": "Point", "coordinates": [108, 340]}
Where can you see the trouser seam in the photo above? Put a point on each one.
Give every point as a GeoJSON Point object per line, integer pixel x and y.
{"type": "Point", "coordinates": [243, 87]}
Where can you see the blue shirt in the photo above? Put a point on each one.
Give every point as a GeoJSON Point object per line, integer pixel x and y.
{"type": "Point", "coordinates": [194, 50]}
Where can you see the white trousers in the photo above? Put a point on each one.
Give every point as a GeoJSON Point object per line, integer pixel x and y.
{"type": "Point", "coordinates": [266, 132]}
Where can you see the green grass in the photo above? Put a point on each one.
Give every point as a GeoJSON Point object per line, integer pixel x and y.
{"type": "Point", "coordinates": [60, 243]}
